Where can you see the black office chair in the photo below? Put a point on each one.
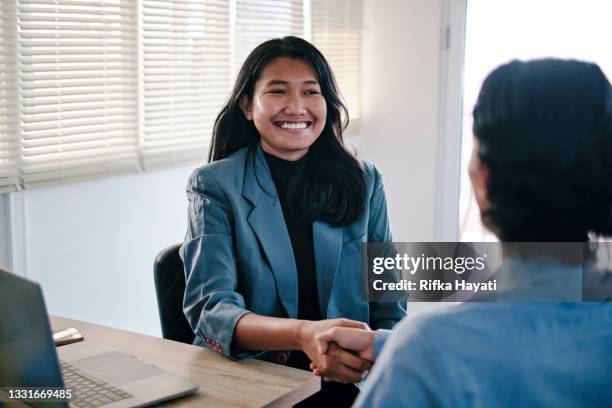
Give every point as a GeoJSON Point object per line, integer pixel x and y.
{"type": "Point", "coordinates": [170, 289]}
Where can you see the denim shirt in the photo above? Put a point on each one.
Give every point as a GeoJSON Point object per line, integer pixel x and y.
{"type": "Point", "coordinates": [514, 354]}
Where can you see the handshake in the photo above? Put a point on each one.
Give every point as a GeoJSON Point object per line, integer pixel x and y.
{"type": "Point", "coordinates": [341, 350]}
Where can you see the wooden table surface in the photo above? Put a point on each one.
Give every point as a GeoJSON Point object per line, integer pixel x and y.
{"type": "Point", "coordinates": [223, 383]}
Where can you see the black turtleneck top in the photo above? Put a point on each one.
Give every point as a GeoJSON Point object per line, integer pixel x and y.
{"type": "Point", "coordinates": [300, 234]}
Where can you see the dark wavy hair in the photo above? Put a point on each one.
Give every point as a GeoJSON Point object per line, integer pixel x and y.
{"type": "Point", "coordinates": [330, 185]}
{"type": "Point", "coordinates": [545, 132]}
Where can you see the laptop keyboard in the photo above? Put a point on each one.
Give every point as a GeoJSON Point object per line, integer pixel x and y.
{"type": "Point", "coordinates": [88, 391]}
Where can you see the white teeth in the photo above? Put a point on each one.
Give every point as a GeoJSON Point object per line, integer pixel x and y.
{"type": "Point", "coordinates": [293, 125]}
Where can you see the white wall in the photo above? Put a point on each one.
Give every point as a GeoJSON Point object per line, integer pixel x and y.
{"type": "Point", "coordinates": [91, 244]}
{"type": "Point", "coordinates": [401, 59]}
{"type": "Point", "coordinates": [5, 232]}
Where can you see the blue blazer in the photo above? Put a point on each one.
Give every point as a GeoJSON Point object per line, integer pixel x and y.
{"type": "Point", "coordinates": [239, 259]}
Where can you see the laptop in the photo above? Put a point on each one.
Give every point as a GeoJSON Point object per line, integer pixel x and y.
{"type": "Point", "coordinates": [97, 375]}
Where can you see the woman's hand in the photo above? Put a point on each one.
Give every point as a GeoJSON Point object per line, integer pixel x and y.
{"type": "Point", "coordinates": [336, 364]}
{"type": "Point", "coordinates": [254, 332]}
{"type": "Point", "coordinates": [358, 341]}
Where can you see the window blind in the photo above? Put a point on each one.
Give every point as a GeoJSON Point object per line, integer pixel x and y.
{"type": "Point", "coordinates": [186, 53]}
{"type": "Point", "coordinates": [261, 20]}
{"type": "Point", "coordinates": [336, 31]}
{"type": "Point", "coordinates": [78, 71]}
{"type": "Point", "coordinates": [8, 92]}
{"type": "Point", "coordinates": [96, 87]}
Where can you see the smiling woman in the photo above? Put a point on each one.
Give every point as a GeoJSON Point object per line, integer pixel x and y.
{"type": "Point", "coordinates": [285, 84]}
{"type": "Point", "coordinates": [273, 218]}
{"type": "Point", "coordinates": [287, 107]}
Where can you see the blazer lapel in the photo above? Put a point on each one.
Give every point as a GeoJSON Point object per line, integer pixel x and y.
{"type": "Point", "coordinates": [267, 221]}
{"type": "Point", "coordinates": [327, 248]}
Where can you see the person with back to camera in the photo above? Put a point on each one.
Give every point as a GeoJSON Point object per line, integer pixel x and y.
{"type": "Point", "coordinates": [276, 219]}
{"type": "Point", "coordinates": [541, 170]}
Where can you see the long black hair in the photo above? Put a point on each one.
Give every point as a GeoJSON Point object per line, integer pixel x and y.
{"type": "Point", "coordinates": [544, 129]}
{"type": "Point", "coordinates": [330, 185]}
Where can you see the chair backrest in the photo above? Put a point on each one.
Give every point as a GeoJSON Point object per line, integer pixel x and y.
{"type": "Point", "coordinates": [170, 288]}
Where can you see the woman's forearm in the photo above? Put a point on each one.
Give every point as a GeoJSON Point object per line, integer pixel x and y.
{"type": "Point", "coordinates": [255, 332]}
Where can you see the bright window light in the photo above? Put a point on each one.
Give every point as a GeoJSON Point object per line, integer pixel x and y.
{"type": "Point", "coordinates": [498, 31]}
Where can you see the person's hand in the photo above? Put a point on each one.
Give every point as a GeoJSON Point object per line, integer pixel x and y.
{"type": "Point", "coordinates": [335, 364]}
{"type": "Point", "coordinates": [358, 340]}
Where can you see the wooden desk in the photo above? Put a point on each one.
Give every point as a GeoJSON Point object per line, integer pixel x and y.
{"type": "Point", "coordinates": [223, 383]}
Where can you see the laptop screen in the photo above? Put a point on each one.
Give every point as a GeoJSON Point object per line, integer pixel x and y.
{"type": "Point", "coordinates": [27, 352]}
